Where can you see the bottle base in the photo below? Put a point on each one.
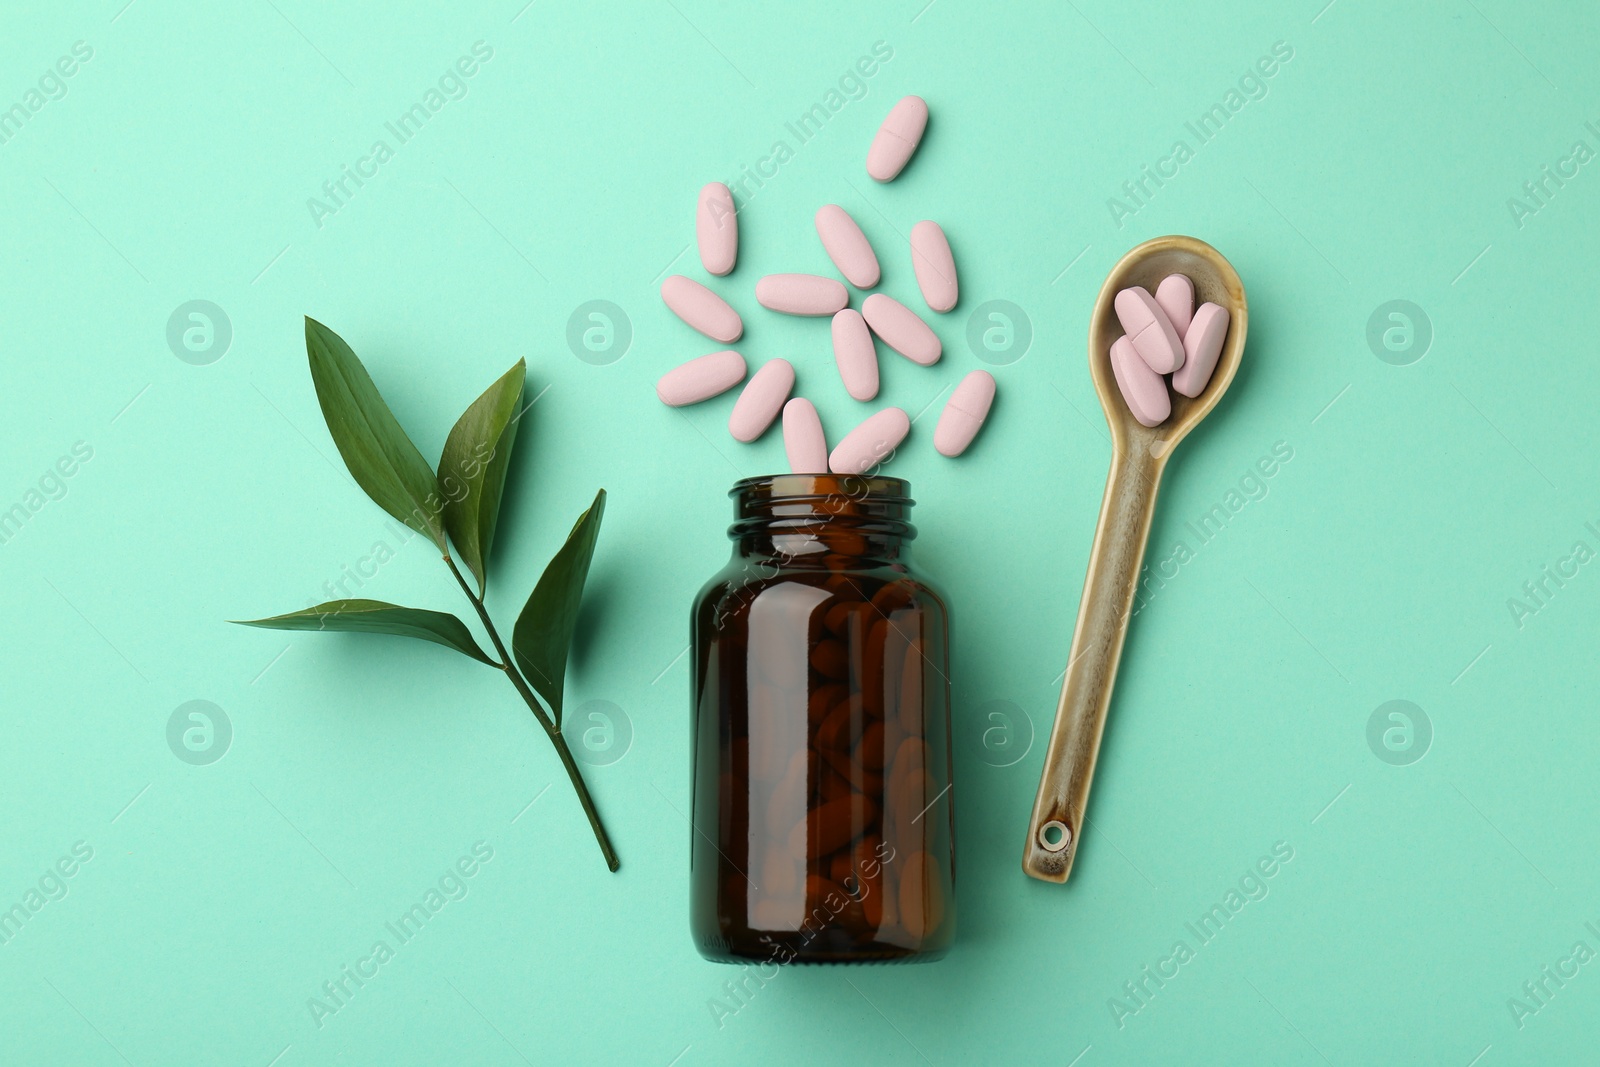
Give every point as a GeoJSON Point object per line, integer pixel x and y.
{"type": "Point", "coordinates": [792, 950]}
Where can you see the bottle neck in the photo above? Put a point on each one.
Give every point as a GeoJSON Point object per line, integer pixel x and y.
{"type": "Point", "coordinates": [803, 519]}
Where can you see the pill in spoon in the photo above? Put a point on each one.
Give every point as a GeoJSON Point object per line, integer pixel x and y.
{"type": "Point", "coordinates": [1143, 389]}
{"type": "Point", "coordinates": [1175, 294]}
{"type": "Point", "coordinates": [1202, 344]}
{"type": "Point", "coordinates": [1148, 329]}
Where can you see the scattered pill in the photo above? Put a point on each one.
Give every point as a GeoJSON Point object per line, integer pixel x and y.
{"type": "Point", "coordinates": [964, 413]}
{"type": "Point", "coordinates": [1144, 390]}
{"type": "Point", "coordinates": [897, 138]}
{"type": "Point", "coordinates": [761, 400]}
{"type": "Point", "coordinates": [856, 354]}
{"type": "Point", "coordinates": [801, 294]}
{"type": "Point", "coordinates": [866, 446]}
{"type": "Point", "coordinates": [701, 379]}
{"type": "Point", "coordinates": [1148, 329]}
{"type": "Point", "coordinates": [901, 329]}
{"type": "Point", "coordinates": [935, 266]}
{"type": "Point", "coordinates": [847, 246]}
{"type": "Point", "coordinates": [803, 439]}
{"type": "Point", "coordinates": [702, 309]}
{"type": "Point", "coordinates": [1175, 295]}
{"type": "Point", "coordinates": [1202, 344]}
{"type": "Point", "coordinates": [716, 228]}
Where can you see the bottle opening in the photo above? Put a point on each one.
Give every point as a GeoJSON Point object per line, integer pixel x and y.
{"type": "Point", "coordinates": [798, 515]}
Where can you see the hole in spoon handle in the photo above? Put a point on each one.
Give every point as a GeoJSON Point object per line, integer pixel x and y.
{"type": "Point", "coordinates": [1055, 836]}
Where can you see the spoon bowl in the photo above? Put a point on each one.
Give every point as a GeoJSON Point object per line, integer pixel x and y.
{"type": "Point", "coordinates": [1139, 455]}
{"type": "Point", "coordinates": [1216, 282]}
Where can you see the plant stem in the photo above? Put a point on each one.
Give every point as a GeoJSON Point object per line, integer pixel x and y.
{"type": "Point", "coordinates": [550, 728]}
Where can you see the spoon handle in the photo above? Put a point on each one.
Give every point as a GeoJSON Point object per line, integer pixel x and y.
{"type": "Point", "coordinates": [1108, 591]}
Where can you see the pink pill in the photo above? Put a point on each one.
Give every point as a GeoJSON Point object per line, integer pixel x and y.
{"type": "Point", "coordinates": [935, 266]}
{"type": "Point", "coordinates": [761, 400]}
{"type": "Point", "coordinates": [716, 229]}
{"type": "Point", "coordinates": [901, 329]}
{"type": "Point", "coordinates": [1175, 295]}
{"type": "Point", "coordinates": [870, 443]}
{"type": "Point", "coordinates": [847, 246]}
{"type": "Point", "coordinates": [801, 294]}
{"type": "Point", "coordinates": [803, 439]}
{"type": "Point", "coordinates": [702, 309]}
{"type": "Point", "coordinates": [964, 413]}
{"type": "Point", "coordinates": [1147, 327]}
{"type": "Point", "coordinates": [701, 379]}
{"type": "Point", "coordinates": [1143, 389]}
{"type": "Point", "coordinates": [856, 354]}
{"type": "Point", "coordinates": [1201, 347]}
{"type": "Point", "coordinates": [897, 138]}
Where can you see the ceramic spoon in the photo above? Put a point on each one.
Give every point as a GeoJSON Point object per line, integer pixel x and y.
{"type": "Point", "coordinates": [1139, 455]}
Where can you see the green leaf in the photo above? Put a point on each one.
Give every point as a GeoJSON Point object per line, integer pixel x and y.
{"type": "Point", "coordinates": [543, 633]}
{"type": "Point", "coordinates": [377, 451]}
{"type": "Point", "coordinates": [472, 470]}
{"type": "Point", "coordinates": [376, 617]}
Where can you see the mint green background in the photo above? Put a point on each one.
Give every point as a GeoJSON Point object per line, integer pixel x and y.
{"type": "Point", "coordinates": [1378, 167]}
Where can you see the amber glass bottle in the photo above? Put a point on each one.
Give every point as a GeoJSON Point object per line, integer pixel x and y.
{"type": "Point", "coordinates": [822, 801]}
